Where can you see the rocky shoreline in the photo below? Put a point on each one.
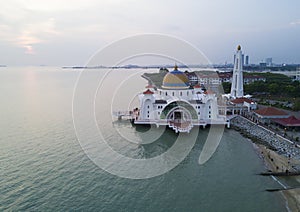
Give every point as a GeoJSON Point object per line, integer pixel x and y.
{"type": "Point", "coordinates": [271, 140]}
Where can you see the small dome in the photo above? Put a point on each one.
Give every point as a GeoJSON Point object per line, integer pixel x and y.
{"type": "Point", "coordinates": [175, 80]}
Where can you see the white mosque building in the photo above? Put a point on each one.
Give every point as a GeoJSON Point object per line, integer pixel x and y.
{"type": "Point", "coordinates": [178, 105]}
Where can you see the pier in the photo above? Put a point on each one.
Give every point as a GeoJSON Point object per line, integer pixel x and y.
{"type": "Point", "coordinates": [128, 115]}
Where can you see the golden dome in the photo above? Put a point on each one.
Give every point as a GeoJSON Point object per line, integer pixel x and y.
{"type": "Point", "coordinates": [175, 80]}
{"type": "Point", "coordinates": [239, 47]}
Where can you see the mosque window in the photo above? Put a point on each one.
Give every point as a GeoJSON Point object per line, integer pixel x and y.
{"type": "Point", "coordinates": [187, 93]}
{"type": "Point", "coordinates": [148, 116]}
{"type": "Point", "coordinates": [209, 116]}
{"type": "Point", "coordinates": [166, 93]}
{"type": "Point", "coordinates": [172, 93]}
{"type": "Point", "coordinates": [148, 111]}
{"type": "Point", "coordinates": [209, 107]}
{"type": "Point", "coordinates": [198, 113]}
{"type": "Point", "coordinates": [159, 92]}
{"type": "Point", "coordinates": [180, 93]}
{"type": "Point", "coordinates": [148, 106]}
{"type": "Point", "coordinates": [209, 112]}
{"type": "Point", "coordinates": [158, 113]}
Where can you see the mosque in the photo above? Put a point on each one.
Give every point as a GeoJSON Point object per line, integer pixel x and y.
{"type": "Point", "coordinates": [178, 104]}
{"type": "Point", "coordinates": [181, 104]}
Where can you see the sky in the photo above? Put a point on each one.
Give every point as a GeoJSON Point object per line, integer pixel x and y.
{"type": "Point", "coordinates": [69, 32]}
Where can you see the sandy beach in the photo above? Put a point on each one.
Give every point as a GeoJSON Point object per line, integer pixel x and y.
{"type": "Point", "coordinates": [278, 163]}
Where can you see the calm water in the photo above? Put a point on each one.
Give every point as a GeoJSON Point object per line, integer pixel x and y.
{"type": "Point", "coordinates": [43, 167]}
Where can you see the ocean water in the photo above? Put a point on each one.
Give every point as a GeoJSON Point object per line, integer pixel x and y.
{"type": "Point", "coordinates": [44, 167]}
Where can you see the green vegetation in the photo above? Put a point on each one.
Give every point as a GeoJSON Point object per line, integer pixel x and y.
{"type": "Point", "coordinates": [155, 78]}
{"type": "Point", "coordinates": [226, 87]}
{"type": "Point", "coordinates": [276, 85]}
{"type": "Point", "coordinates": [278, 90]}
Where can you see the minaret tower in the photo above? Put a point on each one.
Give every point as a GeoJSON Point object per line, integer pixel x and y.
{"type": "Point", "coordinates": [237, 88]}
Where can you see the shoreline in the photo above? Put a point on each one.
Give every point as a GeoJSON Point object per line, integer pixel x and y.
{"type": "Point", "coordinates": [270, 150]}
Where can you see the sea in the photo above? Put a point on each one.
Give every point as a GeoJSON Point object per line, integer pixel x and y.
{"type": "Point", "coordinates": [48, 160]}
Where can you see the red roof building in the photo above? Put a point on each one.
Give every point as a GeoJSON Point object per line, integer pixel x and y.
{"type": "Point", "coordinates": [291, 121]}
{"type": "Point", "coordinates": [148, 92]}
{"type": "Point", "coordinates": [270, 113]}
{"type": "Point", "coordinates": [242, 100]}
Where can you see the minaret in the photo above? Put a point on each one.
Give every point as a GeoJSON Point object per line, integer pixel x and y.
{"type": "Point", "coordinates": [237, 88]}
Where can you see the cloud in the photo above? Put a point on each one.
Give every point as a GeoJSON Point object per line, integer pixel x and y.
{"type": "Point", "coordinates": [26, 35]}
{"type": "Point", "coordinates": [297, 22]}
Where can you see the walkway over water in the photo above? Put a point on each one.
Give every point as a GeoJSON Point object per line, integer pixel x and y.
{"type": "Point", "coordinates": [121, 114]}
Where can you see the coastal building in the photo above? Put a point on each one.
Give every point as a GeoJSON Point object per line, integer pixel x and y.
{"type": "Point", "coordinates": [265, 115]}
{"type": "Point", "coordinates": [291, 122]}
{"type": "Point", "coordinates": [244, 103]}
{"type": "Point", "coordinates": [237, 86]}
{"type": "Point", "coordinates": [179, 105]}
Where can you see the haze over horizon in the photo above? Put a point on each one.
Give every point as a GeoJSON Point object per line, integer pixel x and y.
{"type": "Point", "coordinates": [66, 33]}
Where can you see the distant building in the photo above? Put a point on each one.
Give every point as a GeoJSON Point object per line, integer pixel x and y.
{"type": "Point", "coordinates": [246, 60]}
{"type": "Point", "coordinates": [297, 77]}
{"type": "Point", "coordinates": [263, 64]}
{"type": "Point", "coordinates": [193, 78]}
{"type": "Point", "coordinates": [253, 78]}
{"type": "Point", "coordinates": [227, 77]}
{"type": "Point", "coordinates": [269, 61]}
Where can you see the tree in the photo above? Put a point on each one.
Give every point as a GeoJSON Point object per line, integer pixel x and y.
{"type": "Point", "coordinates": [273, 88]}
{"type": "Point", "coordinates": [226, 87]}
{"type": "Point", "coordinates": [297, 105]}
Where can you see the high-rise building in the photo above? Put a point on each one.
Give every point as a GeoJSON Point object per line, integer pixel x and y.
{"type": "Point", "coordinates": [237, 87]}
{"type": "Point", "coordinates": [269, 61]}
{"type": "Point", "coordinates": [297, 77]}
{"type": "Point", "coordinates": [246, 60]}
